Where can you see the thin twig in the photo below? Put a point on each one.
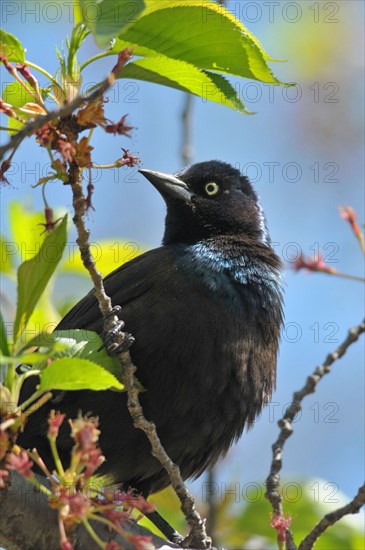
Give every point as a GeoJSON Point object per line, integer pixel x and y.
{"type": "Point", "coordinates": [345, 276]}
{"type": "Point", "coordinates": [285, 423]}
{"type": "Point", "coordinates": [352, 507]}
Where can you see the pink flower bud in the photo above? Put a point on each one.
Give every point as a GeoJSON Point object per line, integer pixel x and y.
{"type": "Point", "coordinates": [128, 159]}
{"type": "Point", "coordinates": [85, 432]}
{"type": "Point", "coordinates": [313, 264]}
{"type": "Point", "coordinates": [348, 214]}
{"type": "Point", "coordinates": [55, 420]}
{"type": "Point", "coordinates": [281, 524]}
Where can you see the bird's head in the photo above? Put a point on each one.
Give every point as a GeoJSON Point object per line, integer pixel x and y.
{"type": "Point", "coordinates": [206, 200]}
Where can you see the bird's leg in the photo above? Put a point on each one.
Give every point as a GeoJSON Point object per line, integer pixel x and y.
{"type": "Point", "coordinates": [170, 533]}
{"type": "Point", "coordinates": [112, 347]}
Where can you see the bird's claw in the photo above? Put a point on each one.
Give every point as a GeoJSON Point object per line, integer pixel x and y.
{"type": "Point", "coordinates": [113, 348]}
{"type": "Point", "coordinates": [109, 336]}
{"type": "Point", "coordinates": [113, 312]}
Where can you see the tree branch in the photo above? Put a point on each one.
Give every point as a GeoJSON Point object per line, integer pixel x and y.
{"type": "Point", "coordinates": [286, 429]}
{"type": "Point", "coordinates": [285, 423]}
{"type": "Point", "coordinates": [197, 536]}
{"type": "Point", "coordinates": [186, 119]}
{"type": "Point", "coordinates": [352, 507]}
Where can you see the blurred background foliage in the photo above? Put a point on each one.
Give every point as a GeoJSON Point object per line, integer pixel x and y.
{"type": "Point", "coordinates": [304, 152]}
{"type": "Point", "coordinates": [244, 526]}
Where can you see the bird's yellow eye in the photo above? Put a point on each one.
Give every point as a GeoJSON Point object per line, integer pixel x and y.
{"type": "Point", "coordinates": [211, 188]}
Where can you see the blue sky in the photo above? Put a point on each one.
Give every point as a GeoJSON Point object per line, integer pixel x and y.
{"type": "Point", "coordinates": [304, 153]}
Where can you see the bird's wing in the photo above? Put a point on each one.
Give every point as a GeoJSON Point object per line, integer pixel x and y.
{"type": "Point", "coordinates": [129, 282]}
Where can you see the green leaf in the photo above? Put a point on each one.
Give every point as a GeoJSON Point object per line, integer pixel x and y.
{"type": "Point", "coordinates": [207, 10]}
{"type": "Point", "coordinates": [76, 343]}
{"type": "Point", "coordinates": [188, 45]}
{"type": "Point", "coordinates": [203, 34]}
{"type": "Point", "coordinates": [71, 73]}
{"type": "Point", "coordinates": [108, 18]}
{"type": "Point", "coordinates": [4, 347]}
{"type": "Point", "coordinates": [34, 275]}
{"type": "Point", "coordinates": [228, 95]}
{"type": "Point", "coordinates": [70, 373]}
{"type": "Point", "coordinates": [184, 76]}
{"type": "Point", "coordinates": [11, 47]}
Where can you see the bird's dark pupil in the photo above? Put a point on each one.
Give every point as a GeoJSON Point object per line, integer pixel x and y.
{"type": "Point", "coordinates": [211, 188]}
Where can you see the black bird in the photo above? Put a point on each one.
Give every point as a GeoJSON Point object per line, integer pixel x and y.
{"type": "Point", "coordinates": [205, 309]}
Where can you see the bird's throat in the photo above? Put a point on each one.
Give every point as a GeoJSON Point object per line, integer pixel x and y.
{"type": "Point", "coordinates": [227, 273]}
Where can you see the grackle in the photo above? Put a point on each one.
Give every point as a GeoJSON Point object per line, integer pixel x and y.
{"type": "Point", "coordinates": [205, 309]}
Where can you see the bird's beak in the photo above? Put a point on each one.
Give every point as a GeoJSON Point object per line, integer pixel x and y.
{"type": "Point", "coordinates": [168, 185]}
